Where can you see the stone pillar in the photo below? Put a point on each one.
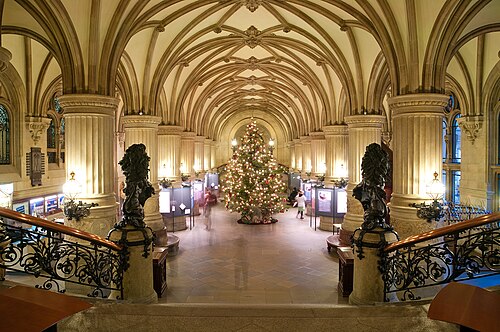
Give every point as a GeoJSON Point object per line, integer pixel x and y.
{"type": "Point", "coordinates": [474, 171]}
{"type": "Point", "coordinates": [368, 286]}
{"type": "Point", "coordinates": [187, 151]}
{"type": "Point", "coordinates": [89, 153]}
{"type": "Point", "coordinates": [298, 154]}
{"type": "Point", "coordinates": [213, 155]}
{"type": "Point", "coordinates": [318, 151]}
{"type": "Point", "coordinates": [336, 137]}
{"type": "Point", "coordinates": [207, 159]}
{"type": "Point", "coordinates": [306, 154]}
{"type": "Point", "coordinates": [417, 153]}
{"type": "Point", "coordinates": [144, 129]}
{"type": "Point", "coordinates": [138, 278]}
{"type": "Point", "coordinates": [169, 152]}
{"type": "Point", "coordinates": [291, 147]}
{"type": "Point", "coordinates": [363, 130]}
{"type": "Point", "coordinates": [199, 154]}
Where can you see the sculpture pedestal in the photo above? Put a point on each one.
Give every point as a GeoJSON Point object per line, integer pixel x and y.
{"type": "Point", "coordinates": [368, 286]}
{"type": "Point", "coordinates": [138, 278]}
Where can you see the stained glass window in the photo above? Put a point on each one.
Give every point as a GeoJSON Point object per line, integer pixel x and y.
{"type": "Point", "coordinates": [456, 138]}
{"type": "Point", "coordinates": [4, 136]}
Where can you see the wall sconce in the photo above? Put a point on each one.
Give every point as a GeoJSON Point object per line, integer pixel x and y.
{"type": "Point", "coordinates": [165, 182]}
{"type": "Point", "coordinates": [72, 210]}
{"type": "Point", "coordinates": [435, 210]}
{"type": "Point", "coordinates": [271, 145]}
{"type": "Point", "coordinates": [234, 144]}
{"type": "Point", "coordinates": [340, 181]}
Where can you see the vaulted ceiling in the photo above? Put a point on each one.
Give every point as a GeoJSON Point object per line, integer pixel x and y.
{"type": "Point", "coordinates": [210, 65]}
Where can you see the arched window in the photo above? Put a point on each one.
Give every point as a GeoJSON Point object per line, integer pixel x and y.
{"type": "Point", "coordinates": [55, 133]}
{"type": "Point", "coordinates": [452, 152]}
{"type": "Point", "coordinates": [456, 139]}
{"type": "Point", "coordinates": [445, 151]}
{"type": "Point", "coordinates": [4, 136]}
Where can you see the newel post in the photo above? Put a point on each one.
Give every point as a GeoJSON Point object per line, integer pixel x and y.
{"type": "Point", "coordinates": [374, 234]}
{"type": "Point", "coordinates": [131, 232]}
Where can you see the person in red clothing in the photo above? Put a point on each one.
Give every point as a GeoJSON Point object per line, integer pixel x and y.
{"type": "Point", "coordinates": [210, 201]}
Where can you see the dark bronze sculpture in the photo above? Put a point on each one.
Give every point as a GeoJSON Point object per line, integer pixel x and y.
{"type": "Point", "coordinates": [135, 166]}
{"type": "Point", "coordinates": [370, 192]}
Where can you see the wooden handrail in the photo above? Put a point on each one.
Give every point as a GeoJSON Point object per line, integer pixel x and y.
{"type": "Point", "coordinates": [451, 229]}
{"type": "Point", "coordinates": [55, 227]}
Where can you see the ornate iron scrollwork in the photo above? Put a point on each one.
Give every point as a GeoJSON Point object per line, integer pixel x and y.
{"type": "Point", "coordinates": [471, 254]}
{"type": "Point", "coordinates": [48, 254]}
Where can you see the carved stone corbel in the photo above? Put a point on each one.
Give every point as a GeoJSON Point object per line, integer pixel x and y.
{"type": "Point", "coordinates": [470, 126]}
{"type": "Point", "coordinates": [37, 127]}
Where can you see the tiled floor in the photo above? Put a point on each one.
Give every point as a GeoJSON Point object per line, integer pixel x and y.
{"type": "Point", "coordinates": [284, 263]}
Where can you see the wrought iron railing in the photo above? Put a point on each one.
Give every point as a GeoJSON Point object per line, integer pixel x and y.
{"type": "Point", "coordinates": [418, 266]}
{"type": "Point", "coordinates": [454, 213]}
{"type": "Point", "coordinates": [46, 249]}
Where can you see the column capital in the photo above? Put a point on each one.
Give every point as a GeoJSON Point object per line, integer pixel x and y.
{"type": "Point", "coordinates": [418, 103]}
{"type": "Point", "coordinates": [365, 121]}
{"type": "Point", "coordinates": [334, 130]}
{"type": "Point", "coordinates": [188, 135]}
{"type": "Point", "coordinates": [170, 130]}
{"type": "Point", "coordinates": [141, 121]}
{"type": "Point", "coordinates": [315, 135]}
{"type": "Point", "coordinates": [89, 104]}
{"type": "Point", "coordinates": [199, 139]}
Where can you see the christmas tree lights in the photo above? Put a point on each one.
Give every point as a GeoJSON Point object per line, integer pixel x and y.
{"type": "Point", "coordinates": [253, 183]}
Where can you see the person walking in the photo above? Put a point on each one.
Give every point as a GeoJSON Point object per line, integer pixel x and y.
{"type": "Point", "coordinates": [301, 204]}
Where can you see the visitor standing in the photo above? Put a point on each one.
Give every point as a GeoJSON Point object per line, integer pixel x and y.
{"type": "Point", "coordinates": [292, 196]}
{"type": "Point", "coordinates": [301, 204]}
{"type": "Point", "coordinates": [210, 201]}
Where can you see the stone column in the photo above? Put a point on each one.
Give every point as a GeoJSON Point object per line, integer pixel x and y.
{"type": "Point", "coordinates": [336, 137]}
{"type": "Point", "coordinates": [89, 153]}
{"type": "Point", "coordinates": [306, 154]}
{"type": "Point", "coordinates": [207, 160]}
{"type": "Point", "coordinates": [187, 151]}
{"type": "Point", "coordinates": [318, 151]}
{"type": "Point", "coordinates": [474, 170]}
{"type": "Point", "coordinates": [291, 147]}
{"type": "Point", "coordinates": [169, 152]}
{"type": "Point", "coordinates": [417, 153]}
{"type": "Point", "coordinates": [144, 129]}
{"type": "Point", "coordinates": [199, 154]}
{"type": "Point", "coordinates": [363, 130]}
{"type": "Point", "coordinates": [213, 155]}
{"type": "Point", "coordinates": [298, 154]}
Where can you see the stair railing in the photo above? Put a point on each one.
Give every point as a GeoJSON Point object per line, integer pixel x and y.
{"type": "Point", "coordinates": [46, 249]}
{"type": "Point", "coordinates": [418, 266]}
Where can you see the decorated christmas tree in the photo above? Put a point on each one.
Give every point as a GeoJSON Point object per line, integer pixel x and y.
{"type": "Point", "coordinates": [253, 183]}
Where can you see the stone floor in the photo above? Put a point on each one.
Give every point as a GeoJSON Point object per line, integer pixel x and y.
{"type": "Point", "coordinates": [226, 262]}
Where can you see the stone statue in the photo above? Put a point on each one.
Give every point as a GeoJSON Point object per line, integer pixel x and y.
{"type": "Point", "coordinates": [135, 166]}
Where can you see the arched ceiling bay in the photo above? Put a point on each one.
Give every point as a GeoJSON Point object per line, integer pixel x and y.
{"type": "Point", "coordinates": [213, 60]}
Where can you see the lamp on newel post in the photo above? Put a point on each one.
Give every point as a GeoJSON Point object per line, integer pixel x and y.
{"type": "Point", "coordinates": [434, 210]}
{"type": "Point", "coordinates": [73, 210]}
{"type": "Point", "coordinates": [234, 144]}
{"type": "Point", "coordinates": [271, 145]}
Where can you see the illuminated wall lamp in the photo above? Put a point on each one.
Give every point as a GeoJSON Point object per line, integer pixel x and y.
{"type": "Point", "coordinates": [341, 181]}
{"type": "Point", "coordinates": [72, 210]}
{"type": "Point", "coordinates": [434, 210]}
